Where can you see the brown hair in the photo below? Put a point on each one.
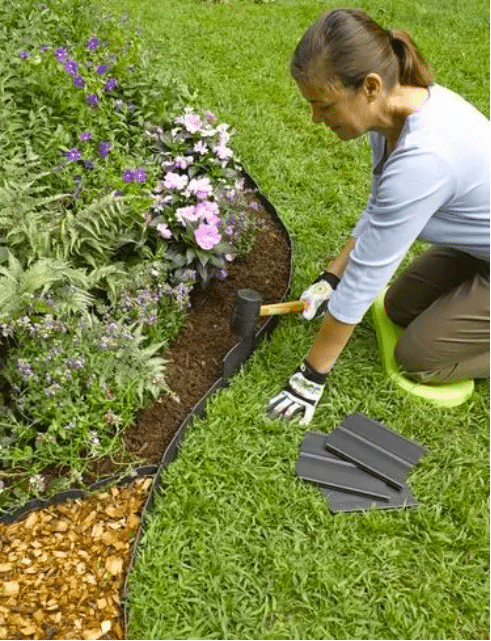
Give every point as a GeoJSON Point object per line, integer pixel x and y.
{"type": "Point", "coordinates": [345, 45]}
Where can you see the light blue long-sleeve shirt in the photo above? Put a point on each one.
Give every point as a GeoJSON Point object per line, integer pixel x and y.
{"type": "Point", "coordinates": [434, 186]}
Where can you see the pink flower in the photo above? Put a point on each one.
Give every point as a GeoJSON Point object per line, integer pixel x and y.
{"type": "Point", "coordinates": [175, 181]}
{"type": "Point", "coordinates": [223, 152]}
{"type": "Point", "coordinates": [164, 230]}
{"type": "Point", "coordinates": [201, 187]}
{"type": "Point", "coordinates": [208, 210]}
{"type": "Point", "coordinates": [187, 213]}
{"type": "Point", "coordinates": [192, 123]}
{"type": "Point", "coordinates": [207, 236]}
{"type": "Point", "coordinates": [183, 162]}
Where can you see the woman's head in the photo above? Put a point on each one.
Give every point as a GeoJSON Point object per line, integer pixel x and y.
{"type": "Point", "coordinates": [348, 60]}
{"type": "Point", "coordinates": [345, 45]}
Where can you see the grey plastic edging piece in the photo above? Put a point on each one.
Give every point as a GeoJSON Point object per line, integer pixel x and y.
{"type": "Point", "coordinates": [374, 449]}
{"type": "Point", "coordinates": [330, 473]}
{"type": "Point", "coordinates": [342, 502]}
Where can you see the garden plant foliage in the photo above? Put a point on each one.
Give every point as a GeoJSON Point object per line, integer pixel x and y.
{"type": "Point", "coordinates": [119, 196]}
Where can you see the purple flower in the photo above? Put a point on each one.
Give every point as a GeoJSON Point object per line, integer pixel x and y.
{"type": "Point", "coordinates": [104, 149]}
{"type": "Point", "coordinates": [93, 42]}
{"type": "Point", "coordinates": [24, 368]}
{"type": "Point", "coordinates": [73, 154]}
{"type": "Point", "coordinates": [61, 54]}
{"type": "Point", "coordinates": [92, 99]}
{"type": "Point", "coordinates": [117, 193]}
{"type": "Point", "coordinates": [128, 176]}
{"type": "Point", "coordinates": [183, 162]}
{"type": "Point", "coordinates": [43, 47]}
{"type": "Point", "coordinates": [131, 107]}
{"type": "Point", "coordinates": [192, 122]}
{"type": "Point", "coordinates": [110, 84]}
{"type": "Point", "coordinates": [76, 363]}
{"type": "Point", "coordinates": [88, 164]}
{"type": "Point", "coordinates": [140, 175]}
{"type": "Point", "coordinates": [51, 390]}
{"type": "Point", "coordinates": [85, 136]}
{"type": "Point", "coordinates": [101, 69]}
{"type": "Point", "coordinates": [223, 152]}
{"type": "Point", "coordinates": [71, 67]}
{"type": "Point", "coordinates": [119, 104]}
{"type": "Point", "coordinates": [24, 54]}
{"type": "Point", "coordinates": [79, 82]}
{"type": "Point", "coordinates": [210, 117]}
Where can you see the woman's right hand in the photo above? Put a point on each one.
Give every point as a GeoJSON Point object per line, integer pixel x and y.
{"type": "Point", "coordinates": [318, 294]}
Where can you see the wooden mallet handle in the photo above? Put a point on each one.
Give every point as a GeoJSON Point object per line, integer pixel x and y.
{"type": "Point", "coordinates": [282, 308]}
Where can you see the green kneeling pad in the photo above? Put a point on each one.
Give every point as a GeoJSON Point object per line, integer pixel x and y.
{"type": "Point", "coordinates": [388, 333]}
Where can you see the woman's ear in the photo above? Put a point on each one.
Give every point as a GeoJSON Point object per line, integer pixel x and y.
{"type": "Point", "coordinates": [373, 86]}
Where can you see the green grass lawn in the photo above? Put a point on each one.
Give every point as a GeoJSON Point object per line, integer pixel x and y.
{"type": "Point", "coordinates": [237, 547]}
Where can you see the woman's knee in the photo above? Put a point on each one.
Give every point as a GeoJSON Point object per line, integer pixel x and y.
{"type": "Point", "coordinates": [394, 307]}
{"type": "Point", "coordinates": [417, 364]}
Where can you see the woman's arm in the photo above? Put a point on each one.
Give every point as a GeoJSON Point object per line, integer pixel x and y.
{"type": "Point", "coordinates": [338, 265]}
{"type": "Point", "coordinates": [332, 337]}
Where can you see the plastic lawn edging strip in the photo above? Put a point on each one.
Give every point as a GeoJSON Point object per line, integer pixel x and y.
{"type": "Point", "coordinates": [388, 333]}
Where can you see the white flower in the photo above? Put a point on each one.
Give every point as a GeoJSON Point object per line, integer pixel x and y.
{"type": "Point", "coordinates": [200, 147]}
{"type": "Point", "coordinates": [37, 482]}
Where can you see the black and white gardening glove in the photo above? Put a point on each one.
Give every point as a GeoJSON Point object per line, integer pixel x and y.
{"type": "Point", "coordinates": [318, 295]}
{"type": "Point", "coordinates": [302, 394]}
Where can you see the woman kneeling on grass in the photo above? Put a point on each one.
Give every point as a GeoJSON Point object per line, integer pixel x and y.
{"type": "Point", "coordinates": [430, 181]}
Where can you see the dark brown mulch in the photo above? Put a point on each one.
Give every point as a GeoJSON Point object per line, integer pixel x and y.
{"type": "Point", "coordinates": [195, 361]}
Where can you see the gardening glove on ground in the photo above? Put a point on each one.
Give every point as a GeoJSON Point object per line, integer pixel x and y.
{"type": "Point", "coordinates": [302, 394]}
{"type": "Point", "coordinates": [318, 295]}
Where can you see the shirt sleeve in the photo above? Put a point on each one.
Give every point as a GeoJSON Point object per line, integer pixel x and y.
{"type": "Point", "coordinates": [413, 186]}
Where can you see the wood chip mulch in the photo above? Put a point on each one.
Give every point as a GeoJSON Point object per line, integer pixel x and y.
{"type": "Point", "coordinates": [62, 568]}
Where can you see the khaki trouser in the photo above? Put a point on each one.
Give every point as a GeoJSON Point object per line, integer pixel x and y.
{"type": "Point", "coordinates": [442, 299]}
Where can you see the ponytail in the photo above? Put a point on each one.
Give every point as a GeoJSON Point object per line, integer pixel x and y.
{"type": "Point", "coordinates": [413, 66]}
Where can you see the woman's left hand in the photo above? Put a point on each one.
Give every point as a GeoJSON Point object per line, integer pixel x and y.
{"type": "Point", "coordinates": [300, 396]}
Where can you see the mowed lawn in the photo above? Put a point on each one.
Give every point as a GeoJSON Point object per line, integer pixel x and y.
{"type": "Point", "coordinates": [237, 547]}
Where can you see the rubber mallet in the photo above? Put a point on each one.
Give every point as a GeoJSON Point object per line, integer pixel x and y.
{"type": "Point", "coordinates": [248, 308]}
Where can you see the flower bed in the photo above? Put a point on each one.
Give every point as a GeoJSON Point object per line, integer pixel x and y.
{"type": "Point", "coordinates": [96, 274]}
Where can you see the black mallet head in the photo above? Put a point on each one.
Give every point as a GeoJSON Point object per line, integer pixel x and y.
{"type": "Point", "coordinates": [245, 312]}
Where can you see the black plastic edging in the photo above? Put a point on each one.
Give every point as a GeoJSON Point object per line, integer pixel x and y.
{"type": "Point", "coordinates": [199, 409]}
